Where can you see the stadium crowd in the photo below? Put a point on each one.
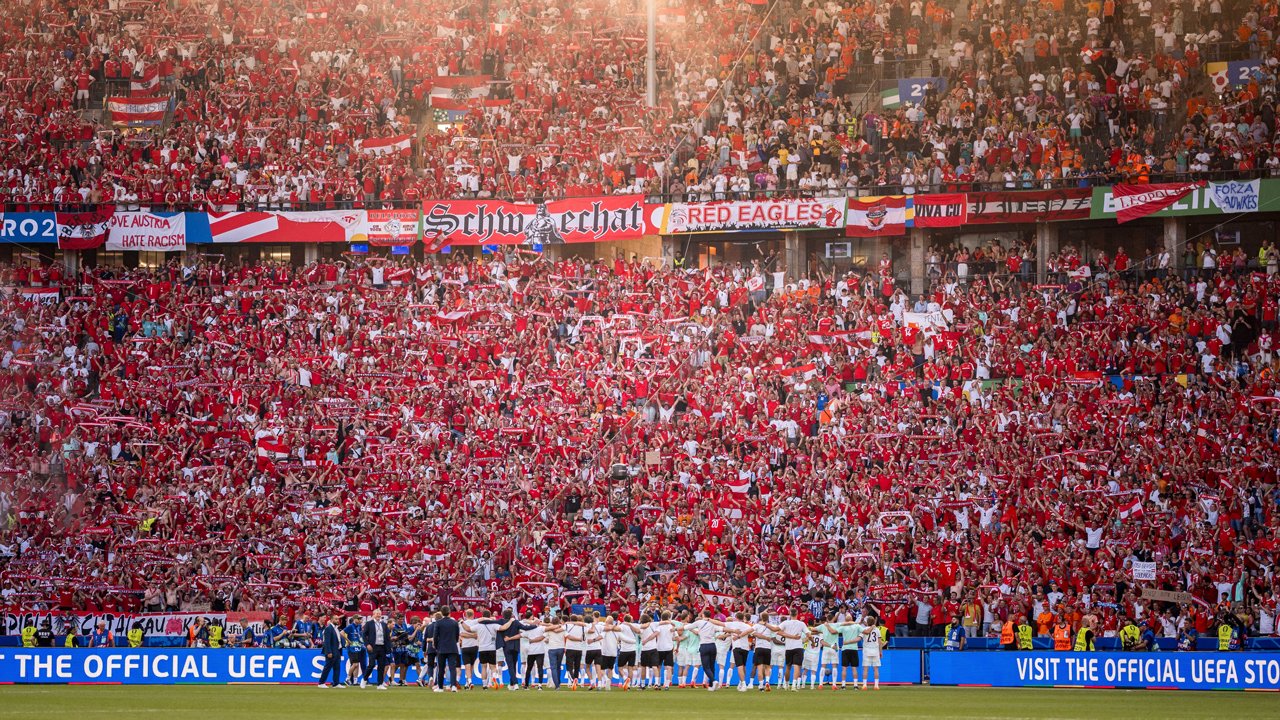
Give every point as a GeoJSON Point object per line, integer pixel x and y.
{"type": "Point", "coordinates": [272, 102]}
{"type": "Point", "coordinates": [363, 434]}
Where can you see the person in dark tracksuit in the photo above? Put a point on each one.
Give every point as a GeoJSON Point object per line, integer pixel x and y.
{"type": "Point", "coordinates": [509, 636]}
{"type": "Point", "coordinates": [331, 646]}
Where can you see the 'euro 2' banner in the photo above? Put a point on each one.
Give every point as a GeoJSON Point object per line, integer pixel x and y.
{"type": "Point", "coordinates": [1153, 670]}
{"type": "Point", "coordinates": [497, 222]}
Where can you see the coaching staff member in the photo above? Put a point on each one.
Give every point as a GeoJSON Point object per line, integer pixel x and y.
{"type": "Point", "coordinates": [446, 633]}
{"type": "Point", "coordinates": [331, 646]}
{"type": "Point", "coordinates": [377, 637]}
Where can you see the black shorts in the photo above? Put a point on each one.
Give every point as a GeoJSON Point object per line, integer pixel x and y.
{"type": "Point", "coordinates": [355, 655]}
{"type": "Point", "coordinates": [740, 657]}
{"type": "Point", "coordinates": [649, 658]}
{"type": "Point", "coordinates": [469, 655]}
{"type": "Point", "coordinates": [795, 656]}
{"type": "Point", "coordinates": [401, 656]}
{"type": "Point", "coordinates": [489, 657]}
{"type": "Point", "coordinates": [606, 662]}
{"type": "Point", "coordinates": [667, 658]}
{"type": "Point", "coordinates": [849, 658]}
{"type": "Point", "coordinates": [764, 657]}
{"type": "Point", "coordinates": [593, 657]}
{"type": "Point", "coordinates": [627, 659]}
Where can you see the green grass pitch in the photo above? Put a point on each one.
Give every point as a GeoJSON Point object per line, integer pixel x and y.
{"type": "Point", "coordinates": [236, 702]}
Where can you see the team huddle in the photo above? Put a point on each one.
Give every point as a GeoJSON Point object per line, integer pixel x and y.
{"type": "Point", "coordinates": [594, 651]}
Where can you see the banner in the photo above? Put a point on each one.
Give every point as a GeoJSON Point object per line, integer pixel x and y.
{"type": "Point", "coordinates": [912, 89]}
{"type": "Point", "coordinates": [400, 144]}
{"type": "Point", "coordinates": [44, 295]}
{"type": "Point", "coordinates": [321, 226]}
{"type": "Point", "coordinates": [1152, 670]}
{"type": "Point", "coordinates": [138, 110]}
{"type": "Point", "coordinates": [28, 227]}
{"type": "Point", "coordinates": [738, 215]}
{"type": "Point", "coordinates": [161, 666]}
{"type": "Point", "coordinates": [882, 216]}
{"type": "Point", "coordinates": [392, 227]}
{"type": "Point", "coordinates": [1184, 598]}
{"type": "Point", "coordinates": [117, 623]}
{"type": "Point", "coordinates": [148, 231]}
{"type": "Point", "coordinates": [1236, 196]}
{"type": "Point", "coordinates": [84, 230]}
{"type": "Point", "coordinates": [1144, 571]}
{"type": "Point", "coordinates": [1131, 202]}
{"type": "Point", "coordinates": [944, 210]}
{"type": "Point", "coordinates": [497, 222]}
{"type": "Point", "coordinates": [929, 323]}
{"type": "Point", "coordinates": [1028, 206]}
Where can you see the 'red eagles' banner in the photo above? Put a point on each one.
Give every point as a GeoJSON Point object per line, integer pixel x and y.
{"type": "Point", "coordinates": [730, 215]}
{"type": "Point", "coordinates": [1138, 201]}
{"type": "Point", "coordinates": [943, 210]}
{"type": "Point", "coordinates": [1028, 206]}
{"type": "Point", "coordinates": [884, 216]}
{"type": "Point", "coordinates": [497, 222]}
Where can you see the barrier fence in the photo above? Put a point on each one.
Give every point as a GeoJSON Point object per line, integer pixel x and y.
{"type": "Point", "coordinates": [1151, 670]}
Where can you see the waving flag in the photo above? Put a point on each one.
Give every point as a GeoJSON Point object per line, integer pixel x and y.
{"type": "Point", "coordinates": [137, 110]}
{"type": "Point", "coordinates": [1138, 201]}
{"type": "Point", "coordinates": [1131, 510]}
{"type": "Point", "coordinates": [804, 372]}
{"type": "Point", "coordinates": [146, 84]}
{"type": "Point", "coordinates": [460, 87]}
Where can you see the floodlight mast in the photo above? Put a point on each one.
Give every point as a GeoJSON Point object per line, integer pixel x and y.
{"type": "Point", "coordinates": [651, 59]}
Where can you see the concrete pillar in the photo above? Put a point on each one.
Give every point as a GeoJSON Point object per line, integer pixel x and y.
{"type": "Point", "coordinates": [670, 245]}
{"type": "Point", "coordinates": [71, 263]}
{"type": "Point", "coordinates": [1175, 240]}
{"type": "Point", "coordinates": [916, 253]}
{"type": "Point", "coordinates": [796, 255]}
{"type": "Point", "coordinates": [1046, 245]}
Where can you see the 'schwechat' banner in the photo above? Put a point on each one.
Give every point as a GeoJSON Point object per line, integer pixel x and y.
{"type": "Point", "coordinates": [1237, 197]}
{"type": "Point", "coordinates": [1164, 670]}
{"type": "Point", "coordinates": [497, 222]}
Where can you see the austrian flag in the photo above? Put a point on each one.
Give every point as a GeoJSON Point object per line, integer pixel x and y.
{"type": "Point", "coordinates": [802, 373]}
{"type": "Point", "coordinates": [386, 145]}
{"type": "Point", "coordinates": [1131, 510]}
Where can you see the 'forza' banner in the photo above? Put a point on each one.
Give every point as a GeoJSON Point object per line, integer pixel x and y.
{"type": "Point", "coordinates": [945, 210]}
{"type": "Point", "coordinates": [736, 215]}
{"type": "Point", "coordinates": [117, 623]}
{"type": "Point", "coordinates": [1026, 206]}
{"type": "Point", "coordinates": [496, 222]}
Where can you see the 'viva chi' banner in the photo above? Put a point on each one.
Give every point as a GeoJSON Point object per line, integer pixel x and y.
{"type": "Point", "coordinates": [495, 222]}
